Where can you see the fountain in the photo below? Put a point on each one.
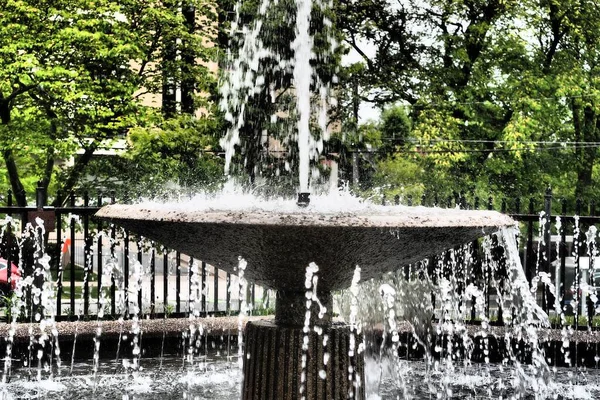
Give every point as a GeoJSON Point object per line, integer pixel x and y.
{"type": "Point", "coordinates": [278, 247]}
{"type": "Point", "coordinates": [305, 250]}
{"type": "Point", "coordinates": [302, 353]}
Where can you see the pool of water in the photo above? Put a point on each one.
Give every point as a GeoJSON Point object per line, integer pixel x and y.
{"type": "Point", "coordinates": [219, 379]}
{"type": "Point", "coordinates": [413, 380]}
{"type": "Point", "coordinates": [168, 379]}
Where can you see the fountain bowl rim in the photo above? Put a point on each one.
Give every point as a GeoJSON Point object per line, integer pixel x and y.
{"type": "Point", "coordinates": [406, 216]}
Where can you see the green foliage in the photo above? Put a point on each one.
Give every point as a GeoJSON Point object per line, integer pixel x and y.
{"type": "Point", "coordinates": [8, 301]}
{"type": "Point", "coordinates": [168, 309]}
{"type": "Point", "coordinates": [503, 96]}
{"type": "Point", "coordinates": [395, 126]}
{"type": "Point", "coordinates": [569, 320]}
{"type": "Point", "coordinates": [180, 150]}
{"type": "Point", "coordinates": [178, 154]}
{"type": "Point", "coordinates": [400, 176]}
{"type": "Point", "coordinates": [74, 76]}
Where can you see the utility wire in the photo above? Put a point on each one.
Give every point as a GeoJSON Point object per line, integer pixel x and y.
{"type": "Point", "coordinates": [492, 102]}
{"type": "Point", "coordinates": [488, 141]}
{"type": "Point", "coordinates": [537, 149]}
{"type": "Point", "coordinates": [425, 150]}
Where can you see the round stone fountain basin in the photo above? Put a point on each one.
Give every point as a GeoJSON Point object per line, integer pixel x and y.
{"type": "Point", "coordinates": [278, 246]}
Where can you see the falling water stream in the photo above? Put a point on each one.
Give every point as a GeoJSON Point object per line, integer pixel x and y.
{"type": "Point", "coordinates": [246, 76]}
{"type": "Point", "coordinates": [446, 370]}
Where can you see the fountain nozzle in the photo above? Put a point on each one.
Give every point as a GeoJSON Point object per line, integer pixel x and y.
{"type": "Point", "coordinates": [303, 199]}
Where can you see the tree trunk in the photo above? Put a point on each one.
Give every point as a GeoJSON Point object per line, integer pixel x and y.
{"type": "Point", "coordinates": [9, 159]}
{"type": "Point", "coordinates": [75, 173]}
{"type": "Point", "coordinates": [13, 175]}
{"type": "Point", "coordinates": [188, 83]}
{"type": "Point", "coordinates": [587, 155]}
{"type": "Point", "coordinates": [50, 151]}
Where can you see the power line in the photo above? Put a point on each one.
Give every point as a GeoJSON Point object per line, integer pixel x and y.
{"type": "Point", "coordinates": [280, 153]}
{"type": "Point", "coordinates": [491, 141]}
{"type": "Point", "coordinates": [448, 103]}
{"type": "Point", "coordinates": [537, 149]}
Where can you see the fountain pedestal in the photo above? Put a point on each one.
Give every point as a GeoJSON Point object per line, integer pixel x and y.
{"type": "Point", "coordinates": [274, 352]}
{"type": "Point", "coordinates": [273, 363]}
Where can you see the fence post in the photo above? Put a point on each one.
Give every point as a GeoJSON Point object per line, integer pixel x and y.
{"type": "Point", "coordinates": [152, 280]}
{"type": "Point", "coordinates": [126, 274]}
{"type": "Point", "coordinates": [228, 294]}
{"type": "Point", "coordinates": [577, 280]}
{"type": "Point", "coordinates": [9, 203]}
{"type": "Point", "coordinates": [40, 196]}
{"type": "Point", "coordinates": [548, 298]}
{"type": "Point", "coordinates": [563, 255]}
{"type": "Point", "coordinates": [529, 260]}
{"type": "Point", "coordinates": [60, 261]}
{"type": "Point", "coordinates": [72, 261]}
{"type": "Point", "coordinates": [166, 307]}
{"type": "Point", "coordinates": [203, 289]}
{"type": "Point", "coordinates": [215, 289]}
{"type": "Point", "coordinates": [140, 259]}
{"type": "Point", "coordinates": [87, 256]}
{"type": "Point", "coordinates": [9, 261]}
{"type": "Point", "coordinates": [178, 282]}
{"type": "Point", "coordinates": [99, 256]}
{"type": "Point", "coordinates": [113, 236]}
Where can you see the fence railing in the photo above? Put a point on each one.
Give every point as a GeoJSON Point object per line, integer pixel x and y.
{"type": "Point", "coordinates": [95, 268]}
{"type": "Point", "coordinates": [557, 239]}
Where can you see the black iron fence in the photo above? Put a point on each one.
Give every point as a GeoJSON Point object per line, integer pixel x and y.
{"type": "Point", "coordinates": [557, 239]}
{"type": "Point", "coordinates": [95, 268]}
{"type": "Point", "coordinates": [98, 269]}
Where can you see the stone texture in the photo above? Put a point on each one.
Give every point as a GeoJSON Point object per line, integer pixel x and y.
{"type": "Point", "coordinates": [221, 326]}
{"type": "Point", "coordinates": [290, 309]}
{"type": "Point", "coordinates": [279, 246]}
{"type": "Point", "coordinates": [273, 364]}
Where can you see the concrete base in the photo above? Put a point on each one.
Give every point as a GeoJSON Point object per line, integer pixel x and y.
{"type": "Point", "coordinates": [273, 364]}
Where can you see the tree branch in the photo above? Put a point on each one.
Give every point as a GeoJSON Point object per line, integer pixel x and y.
{"type": "Point", "coordinates": [76, 170]}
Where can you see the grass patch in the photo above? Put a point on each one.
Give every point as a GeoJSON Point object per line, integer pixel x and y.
{"type": "Point", "coordinates": [79, 274]}
{"type": "Point", "coordinates": [66, 292]}
{"type": "Point", "coordinates": [570, 320]}
{"type": "Point", "coordinates": [79, 277]}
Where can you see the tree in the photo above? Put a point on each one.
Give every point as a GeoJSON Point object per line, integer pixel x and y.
{"type": "Point", "coordinates": [74, 74]}
{"type": "Point", "coordinates": [179, 154]}
{"type": "Point", "coordinates": [395, 128]}
{"type": "Point", "coordinates": [502, 94]}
